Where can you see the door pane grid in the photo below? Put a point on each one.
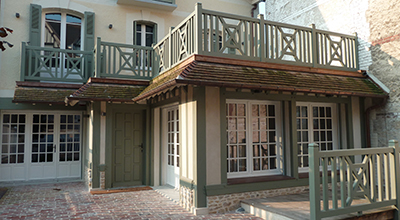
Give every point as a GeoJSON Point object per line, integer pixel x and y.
{"type": "Point", "coordinates": [70, 128]}
{"type": "Point", "coordinates": [264, 137]}
{"type": "Point", "coordinates": [236, 136]}
{"type": "Point", "coordinates": [173, 137]}
{"type": "Point", "coordinates": [42, 138]}
{"type": "Point", "coordinates": [13, 139]}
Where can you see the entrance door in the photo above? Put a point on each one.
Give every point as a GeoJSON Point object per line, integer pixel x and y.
{"type": "Point", "coordinates": [172, 145]}
{"type": "Point", "coordinates": [55, 146]}
{"type": "Point", "coordinates": [127, 148]}
{"type": "Point", "coordinates": [43, 148]}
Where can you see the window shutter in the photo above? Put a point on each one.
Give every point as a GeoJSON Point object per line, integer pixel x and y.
{"type": "Point", "coordinates": [35, 24]}
{"type": "Point", "coordinates": [89, 31]}
{"type": "Point", "coordinates": [155, 34]}
{"type": "Point", "coordinates": [88, 43]}
{"type": "Point", "coordinates": [134, 32]}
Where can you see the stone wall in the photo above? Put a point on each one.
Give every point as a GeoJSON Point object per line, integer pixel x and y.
{"type": "Point", "coordinates": [186, 197]}
{"type": "Point", "coordinates": [229, 202]}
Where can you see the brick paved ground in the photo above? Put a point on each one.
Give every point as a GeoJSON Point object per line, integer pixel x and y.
{"type": "Point", "coordinates": [72, 201]}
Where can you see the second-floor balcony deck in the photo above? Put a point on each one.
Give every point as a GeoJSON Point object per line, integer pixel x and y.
{"type": "Point", "coordinates": [203, 32]}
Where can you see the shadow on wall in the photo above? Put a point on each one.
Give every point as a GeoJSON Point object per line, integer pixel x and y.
{"type": "Point", "coordinates": [382, 16]}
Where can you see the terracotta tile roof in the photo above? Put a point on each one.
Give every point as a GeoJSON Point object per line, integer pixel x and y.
{"type": "Point", "coordinates": [41, 95]}
{"type": "Point", "coordinates": [235, 76]}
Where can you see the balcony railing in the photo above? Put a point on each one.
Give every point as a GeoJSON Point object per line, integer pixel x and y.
{"type": "Point", "coordinates": [124, 60]}
{"type": "Point", "coordinates": [365, 179]}
{"type": "Point", "coordinates": [55, 65]}
{"type": "Point", "coordinates": [219, 34]}
{"type": "Point", "coordinates": [203, 32]}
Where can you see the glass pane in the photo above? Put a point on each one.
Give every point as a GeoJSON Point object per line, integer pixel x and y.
{"type": "Point", "coordinates": [315, 111]}
{"type": "Point", "coordinates": [73, 37]}
{"type": "Point", "coordinates": [256, 164]}
{"type": "Point", "coordinates": [20, 158]}
{"type": "Point", "coordinates": [263, 110]}
{"type": "Point", "coordinates": [242, 151]}
{"type": "Point", "coordinates": [254, 110]}
{"type": "Point", "coordinates": [13, 159]}
{"type": "Point", "coordinates": [34, 158]}
{"type": "Point", "coordinates": [241, 110]}
{"type": "Point", "coordinates": [241, 124]}
{"type": "Point", "coordinates": [271, 110]}
{"type": "Point", "coordinates": [304, 123]}
{"type": "Point", "coordinates": [14, 118]}
{"type": "Point", "coordinates": [76, 156]}
{"type": "Point", "coordinates": [4, 149]}
{"type": "Point", "coordinates": [256, 150]}
{"type": "Point", "coordinates": [242, 165]}
{"type": "Point", "coordinates": [304, 112]}
{"type": "Point", "coordinates": [271, 123]}
{"type": "Point", "coordinates": [6, 118]}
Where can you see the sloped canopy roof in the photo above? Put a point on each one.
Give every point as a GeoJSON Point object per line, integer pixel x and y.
{"type": "Point", "coordinates": [99, 89]}
{"type": "Point", "coordinates": [206, 73]}
{"type": "Point", "coordinates": [45, 93]}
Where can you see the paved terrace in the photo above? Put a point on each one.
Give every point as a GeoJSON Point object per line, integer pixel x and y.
{"type": "Point", "coordinates": [73, 201]}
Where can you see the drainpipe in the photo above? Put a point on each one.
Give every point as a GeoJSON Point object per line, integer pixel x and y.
{"type": "Point", "coordinates": [367, 119]}
{"type": "Point", "coordinates": [253, 9]}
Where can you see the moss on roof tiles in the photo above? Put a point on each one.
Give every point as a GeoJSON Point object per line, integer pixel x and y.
{"type": "Point", "coordinates": [37, 95]}
{"type": "Point", "coordinates": [109, 92]}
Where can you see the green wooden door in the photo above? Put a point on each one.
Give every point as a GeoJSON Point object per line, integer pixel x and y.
{"type": "Point", "coordinates": [127, 148]}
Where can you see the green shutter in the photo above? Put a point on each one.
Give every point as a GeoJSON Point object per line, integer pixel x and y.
{"type": "Point", "coordinates": [89, 31]}
{"type": "Point", "coordinates": [155, 34]}
{"type": "Point", "coordinates": [89, 42]}
{"type": "Point", "coordinates": [35, 24]}
{"type": "Point", "coordinates": [134, 32]}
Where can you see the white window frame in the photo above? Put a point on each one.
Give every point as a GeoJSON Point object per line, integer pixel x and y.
{"type": "Point", "coordinates": [311, 139]}
{"type": "Point", "coordinates": [249, 144]}
{"type": "Point", "coordinates": [63, 26]}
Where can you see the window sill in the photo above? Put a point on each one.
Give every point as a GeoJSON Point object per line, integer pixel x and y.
{"type": "Point", "coordinates": [150, 4]}
{"type": "Point", "coordinates": [259, 179]}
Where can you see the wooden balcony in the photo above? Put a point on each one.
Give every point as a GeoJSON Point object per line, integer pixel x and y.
{"type": "Point", "coordinates": [204, 32]}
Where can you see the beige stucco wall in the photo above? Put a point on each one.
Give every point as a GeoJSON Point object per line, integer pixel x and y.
{"type": "Point", "coordinates": [106, 12]}
{"type": "Point", "coordinates": [213, 136]}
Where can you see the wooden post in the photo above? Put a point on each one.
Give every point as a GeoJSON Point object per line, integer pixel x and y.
{"type": "Point", "coordinates": [356, 58]}
{"type": "Point", "coordinates": [198, 32]}
{"type": "Point", "coordinates": [396, 178]}
{"type": "Point", "coordinates": [314, 181]}
{"type": "Point", "coordinates": [314, 52]}
{"type": "Point", "coordinates": [98, 57]}
{"type": "Point", "coordinates": [261, 40]}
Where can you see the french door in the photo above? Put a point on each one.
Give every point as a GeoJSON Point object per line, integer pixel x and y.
{"type": "Point", "coordinates": [38, 146]}
{"type": "Point", "coordinates": [172, 145]}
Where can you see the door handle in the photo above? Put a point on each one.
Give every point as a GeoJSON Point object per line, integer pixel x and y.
{"type": "Point", "coordinates": [141, 147]}
{"type": "Point", "coordinates": [54, 149]}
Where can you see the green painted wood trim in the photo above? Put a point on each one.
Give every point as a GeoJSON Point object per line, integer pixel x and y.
{"type": "Point", "coordinates": [294, 168]}
{"type": "Point", "coordinates": [314, 180]}
{"type": "Point", "coordinates": [147, 143]}
{"type": "Point", "coordinates": [185, 182]}
{"type": "Point", "coordinates": [102, 167]}
{"type": "Point", "coordinates": [284, 97]}
{"type": "Point", "coordinates": [224, 175]}
{"type": "Point", "coordinates": [108, 150]}
{"type": "Point", "coordinates": [213, 190]}
{"type": "Point", "coordinates": [200, 152]}
{"type": "Point", "coordinates": [166, 102]}
{"type": "Point", "coordinates": [96, 145]}
{"type": "Point", "coordinates": [350, 136]}
{"type": "Point", "coordinates": [285, 136]}
{"type": "Point", "coordinates": [362, 121]}
{"type": "Point", "coordinates": [7, 104]}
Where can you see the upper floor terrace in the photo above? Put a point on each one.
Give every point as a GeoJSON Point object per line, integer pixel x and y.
{"type": "Point", "coordinates": [203, 32]}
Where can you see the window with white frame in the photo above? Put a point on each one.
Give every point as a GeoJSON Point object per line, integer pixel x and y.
{"type": "Point", "coordinates": [253, 131]}
{"type": "Point", "coordinates": [62, 31]}
{"type": "Point", "coordinates": [316, 123]}
{"type": "Point", "coordinates": [145, 33]}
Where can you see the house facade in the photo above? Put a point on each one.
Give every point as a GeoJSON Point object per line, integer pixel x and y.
{"type": "Point", "coordinates": [220, 104]}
